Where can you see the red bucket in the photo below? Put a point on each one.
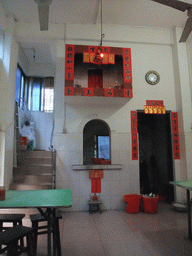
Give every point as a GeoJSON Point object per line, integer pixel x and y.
{"type": "Point", "coordinates": [150, 204]}
{"type": "Point", "coordinates": [133, 202]}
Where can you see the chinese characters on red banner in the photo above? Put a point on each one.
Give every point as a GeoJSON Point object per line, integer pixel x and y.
{"type": "Point", "coordinates": [134, 136]}
{"type": "Point", "coordinates": [96, 176]}
{"type": "Point", "coordinates": [93, 51]}
{"type": "Point", "coordinates": [89, 56]}
{"type": "Point", "coordinates": [127, 71]}
{"type": "Point", "coordinates": [154, 107]}
{"type": "Point", "coordinates": [69, 62]}
{"type": "Point", "coordinates": [175, 131]}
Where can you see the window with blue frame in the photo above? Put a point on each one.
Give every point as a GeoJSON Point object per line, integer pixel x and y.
{"type": "Point", "coordinates": [34, 93]}
{"type": "Point", "coordinates": [20, 87]}
{"type": "Point", "coordinates": [103, 147]}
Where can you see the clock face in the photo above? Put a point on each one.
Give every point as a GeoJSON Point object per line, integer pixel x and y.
{"type": "Point", "coordinates": [152, 77]}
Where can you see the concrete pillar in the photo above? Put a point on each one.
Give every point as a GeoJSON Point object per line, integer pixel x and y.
{"type": "Point", "coordinates": [183, 107]}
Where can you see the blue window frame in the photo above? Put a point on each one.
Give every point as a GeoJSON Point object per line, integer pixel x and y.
{"type": "Point", "coordinates": [18, 85]}
{"type": "Point", "coordinates": [36, 94]}
{"type": "Point", "coordinates": [32, 94]}
{"type": "Point", "coordinates": [103, 147]}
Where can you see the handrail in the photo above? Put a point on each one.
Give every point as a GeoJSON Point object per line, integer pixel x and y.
{"type": "Point", "coordinates": [51, 137]}
{"type": "Point", "coordinates": [53, 158]}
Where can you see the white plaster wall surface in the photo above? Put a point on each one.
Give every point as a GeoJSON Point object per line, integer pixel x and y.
{"type": "Point", "coordinates": [145, 57]}
{"type": "Point", "coordinates": [2, 157]}
{"type": "Point", "coordinates": [8, 164]}
{"type": "Point", "coordinates": [22, 60]}
{"type": "Point", "coordinates": [155, 54]}
{"type": "Point", "coordinates": [7, 97]}
{"type": "Point", "coordinates": [114, 185]}
{"type": "Point", "coordinates": [43, 127]}
{"type": "Point", "coordinates": [158, 58]}
{"type": "Point", "coordinates": [41, 69]}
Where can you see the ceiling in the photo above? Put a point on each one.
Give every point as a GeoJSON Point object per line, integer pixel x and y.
{"type": "Point", "coordinates": [120, 12]}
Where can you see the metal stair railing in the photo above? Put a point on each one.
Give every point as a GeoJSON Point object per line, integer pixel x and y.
{"type": "Point", "coordinates": [53, 157]}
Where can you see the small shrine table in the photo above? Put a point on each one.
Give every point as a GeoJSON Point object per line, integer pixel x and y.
{"type": "Point", "coordinates": [94, 206]}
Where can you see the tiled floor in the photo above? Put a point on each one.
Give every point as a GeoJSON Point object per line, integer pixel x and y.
{"type": "Point", "coordinates": [118, 233]}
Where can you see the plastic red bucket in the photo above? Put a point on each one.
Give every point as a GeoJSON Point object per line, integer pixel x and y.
{"type": "Point", "coordinates": [150, 204]}
{"type": "Point", "coordinates": [133, 202]}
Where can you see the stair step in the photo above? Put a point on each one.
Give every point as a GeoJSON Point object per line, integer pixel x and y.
{"type": "Point", "coordinates": [35, 160]}
{"type": "Point", "coordinates": [36, 153]}
{"type": "Point", "coordinates": [45, 179]}
{"type": "Point", "coordinates": [15, 186]}
{"type": "Point", "coordinates": [32, 169]}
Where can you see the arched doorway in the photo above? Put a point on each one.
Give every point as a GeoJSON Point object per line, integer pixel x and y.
{"type": "Point", "coordinates": [96, 141]}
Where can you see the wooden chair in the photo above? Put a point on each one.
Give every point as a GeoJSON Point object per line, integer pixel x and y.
{"type": "Point", "coordinates": [10, 237]}
{"type": "Point", "coordinates": [36, 219]}
{"type": "Point", "coordinates": [15, 219]}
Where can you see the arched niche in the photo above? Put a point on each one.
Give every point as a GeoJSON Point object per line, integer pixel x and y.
{"type": "Point", "coordinates": [96, 141]}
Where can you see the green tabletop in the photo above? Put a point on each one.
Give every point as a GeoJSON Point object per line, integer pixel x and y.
{"type": "Point", "coordinates": [183, 184]}
{"type": "Point", "coordinates": [37, 198]}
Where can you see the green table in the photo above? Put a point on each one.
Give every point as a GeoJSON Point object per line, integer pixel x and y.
{"type": "Point", "coordinates": [48, 200]}
{"type": "Point", "coordinates": [188, 186]}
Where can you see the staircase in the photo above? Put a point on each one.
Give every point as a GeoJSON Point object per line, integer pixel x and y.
{"type": "Point", "coordinates": [34, 171]}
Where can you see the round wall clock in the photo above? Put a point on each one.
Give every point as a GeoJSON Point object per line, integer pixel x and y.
{"type": "Point", "coordinates": [152, 77]}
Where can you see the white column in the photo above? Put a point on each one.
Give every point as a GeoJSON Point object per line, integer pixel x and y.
{"type": "Point", "coordinates": [59, 106]}
{"type": "Point", "coordinates": [183, 107]}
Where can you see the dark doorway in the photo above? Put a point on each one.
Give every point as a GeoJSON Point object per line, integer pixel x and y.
{"type": "Point", "coordinates": [155, 150]}
{"type": "Point", "coordinates": [95, 78]}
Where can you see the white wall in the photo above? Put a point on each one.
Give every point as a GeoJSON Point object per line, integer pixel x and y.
{"type": "Point", "coordinates": [146, 55]}
{"type": "Point", "coordinates": [7, 99]}
{"type": "Point", "coordinates": [151, 50]}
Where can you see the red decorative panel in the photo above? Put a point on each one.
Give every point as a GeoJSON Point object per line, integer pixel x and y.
{"type": "Point", "coordinates": [175, 131]}
{"type": "Point", "coordinates": [96, 174]}
{"type": "Point", "coordinates": [69, 62]}
{"type": "Point", "coordinates": [108, 92]}
{"type": "Point", "coordinates": [134, 136]}
{"type": "Point", "coordinates": [118, 92]}
{"type": "Point", "coordinates": [154, 107]}
{"type": "Point", "coordinates": [127, 69]}
{"type": "Point", "coordinates": [88, 91]}
{"type": "Point", "coordinates": [108, 58]}
{"type": "Point", "coordinates": [86, 57]}
{"type": "Point", "coordinates": [98, 91]}
{"type": "Point", "coordinates": [89, 56]}
{"type": "Point", "coordinates": [69, 91]}
{"type": "Point", "coordinates": [96, 185]}
{"type": "Point", "coordinates": [154, 103]}
{"type": "Point", "coordinates": [128, 93]}
{"type": "Point", "coordinates": [111, 58]}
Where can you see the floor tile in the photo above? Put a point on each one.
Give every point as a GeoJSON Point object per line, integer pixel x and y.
{"type": "Point", "coordinates": [118, 233]}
